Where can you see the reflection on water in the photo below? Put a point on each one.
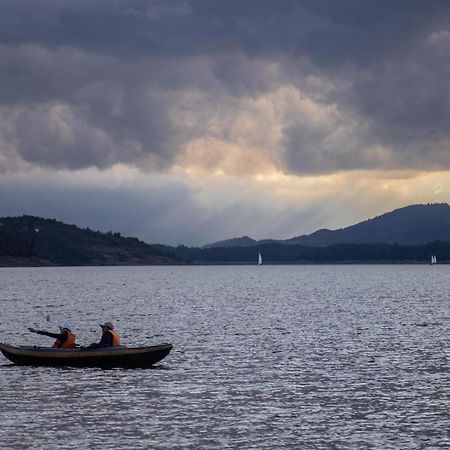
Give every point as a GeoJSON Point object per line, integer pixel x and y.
{"type": "Point", "coordinates": [265, 357]}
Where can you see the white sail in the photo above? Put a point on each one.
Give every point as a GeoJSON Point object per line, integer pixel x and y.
{"type": "Point", "coordinates": [433, 259]}
{"type": "Point", "coordinates": [259, 259]}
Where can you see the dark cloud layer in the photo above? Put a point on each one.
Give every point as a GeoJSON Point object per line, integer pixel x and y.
{"type": "Point", "coordinates": [96, 82]}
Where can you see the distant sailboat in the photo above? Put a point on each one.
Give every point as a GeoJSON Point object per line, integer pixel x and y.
{"type": "Point", "coordinates": [433, 259]}
{"type": "Point", "coordinates": [259, 259]}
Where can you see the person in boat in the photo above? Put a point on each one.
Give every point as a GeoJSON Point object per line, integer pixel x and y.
{"type": "Point", "coordinates": [110, 337]}
{"type": "Point", "coordinates": [64, 339]}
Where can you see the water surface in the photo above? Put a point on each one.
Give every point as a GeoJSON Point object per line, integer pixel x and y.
{"type": "Point", "coordinates": [307, 357]}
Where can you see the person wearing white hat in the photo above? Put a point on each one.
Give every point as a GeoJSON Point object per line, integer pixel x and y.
{"type": "Point", "coordinates": [64, 339]}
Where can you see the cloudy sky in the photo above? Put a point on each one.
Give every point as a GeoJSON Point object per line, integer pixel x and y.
{"type": "Point", "coordinates": [190, 121]}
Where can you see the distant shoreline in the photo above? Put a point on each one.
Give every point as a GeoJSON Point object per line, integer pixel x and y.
{"type": "Point", "coordinates": [34, 262]}
{"type": "Point", "coordinates": [22, 263]}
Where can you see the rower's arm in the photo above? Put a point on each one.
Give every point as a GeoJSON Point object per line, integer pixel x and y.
{"type": "Point", "coordinates": [47, 333]}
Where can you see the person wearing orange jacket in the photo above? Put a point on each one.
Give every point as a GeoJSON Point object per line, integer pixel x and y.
{"type": "Point", "coordinates": [110, 337]}
{"type": "Point", "coordinates": [64, 339]}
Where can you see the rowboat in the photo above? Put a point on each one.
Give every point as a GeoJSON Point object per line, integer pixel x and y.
{"type": "Point", "coordinates": [136, 357]}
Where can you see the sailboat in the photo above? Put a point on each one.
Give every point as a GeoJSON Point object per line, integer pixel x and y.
{"type": "Point", "coordinates": [259, 259]}
{"type": "Point", "coordinates": [433, 259]}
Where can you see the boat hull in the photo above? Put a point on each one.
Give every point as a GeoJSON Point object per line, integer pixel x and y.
{"type": "Point", "coordinates": [140, 357]}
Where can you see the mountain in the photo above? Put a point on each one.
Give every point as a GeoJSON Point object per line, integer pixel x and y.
{"type": "Point", "coordinates": [33, 241]}
{"type": "Point", "coordinates": [243, 241]}
{"type": "Point", "coordinates": [415, 224]}
{"type": "Point", "coordinates": [411, 225]}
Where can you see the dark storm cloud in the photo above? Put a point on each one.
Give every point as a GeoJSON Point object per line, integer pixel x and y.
{"type": "Point", "coordinates": [158, 27]}
{"type": "Point", "coordinates": [94, 83]}
{"type": "Point", "coordinates": [330, 31]}
{"type": "Point", "coordinates": [65, 108]}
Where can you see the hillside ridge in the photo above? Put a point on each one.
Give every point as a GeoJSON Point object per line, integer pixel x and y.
{"type": "Point", "coordinates": [35, 241]}
{"type": "Point", "coordinates": [410, 225]}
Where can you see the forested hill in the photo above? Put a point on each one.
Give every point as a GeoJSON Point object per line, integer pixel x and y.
{"type": "Point", "coordinates": [31, 241]}
{"type": "Point", "coordinates": [275, 253]}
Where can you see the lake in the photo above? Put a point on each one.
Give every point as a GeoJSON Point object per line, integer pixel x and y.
{"type": "Point", "coordinates": [268, 357]}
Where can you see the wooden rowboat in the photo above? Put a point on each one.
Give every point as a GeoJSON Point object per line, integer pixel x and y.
{"type": "Point", "coordinates": [137, 357]}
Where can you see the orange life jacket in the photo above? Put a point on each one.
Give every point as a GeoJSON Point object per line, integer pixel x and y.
{"type": "Point", "coordinates": [68, 343]}
{"type": "Point", "coordinates": [116, 338]}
